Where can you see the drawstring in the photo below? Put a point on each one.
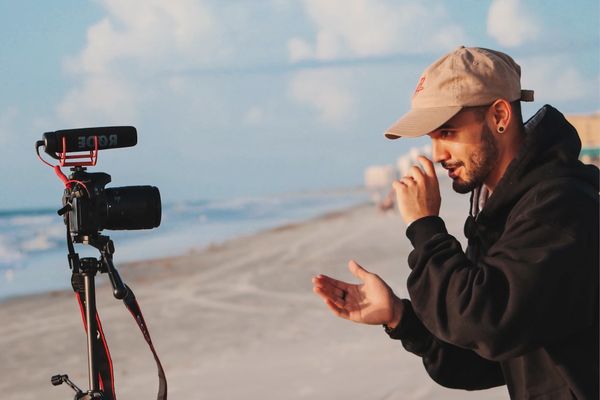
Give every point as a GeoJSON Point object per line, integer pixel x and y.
{"type": "Point", "coordinates": [470, 222]}
{"type": "Point", "coordinates": [475, 202]}
{"type": "Point", "coordinates": [471, 203]}
{"type": "Point", "coordinates": [479, 197]}
{"type": "Point", "coordinates": [478, 200]}
{"type": "Point", "coordinates": [469, 228]}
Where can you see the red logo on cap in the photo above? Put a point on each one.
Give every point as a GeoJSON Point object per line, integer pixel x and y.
{"type": "Point", "coordinates": [419, 86]}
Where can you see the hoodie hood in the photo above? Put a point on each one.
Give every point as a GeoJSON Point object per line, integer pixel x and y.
{"type": "Point", "coordinates": [550, 151]}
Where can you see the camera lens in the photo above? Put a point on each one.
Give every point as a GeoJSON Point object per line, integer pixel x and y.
{"type": "Point", "coordinates": [132, 207]}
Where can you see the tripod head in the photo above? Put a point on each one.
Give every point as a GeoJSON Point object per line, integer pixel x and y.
{"type": "Point", "coordinates": [105, 264]}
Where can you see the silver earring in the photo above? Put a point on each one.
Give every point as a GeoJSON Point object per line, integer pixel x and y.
{"type": "Point", "coordinates": [500, 129]}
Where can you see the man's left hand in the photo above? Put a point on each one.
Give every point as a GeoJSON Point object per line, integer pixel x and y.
{"type": "Point", "coordinates": [418, 193]}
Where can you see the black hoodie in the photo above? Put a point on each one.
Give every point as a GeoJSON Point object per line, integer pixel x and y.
{"type": "Point", "coordinates": [520, 307]}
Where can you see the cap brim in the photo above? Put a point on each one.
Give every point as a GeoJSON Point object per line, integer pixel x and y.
{"type": "Point", "coordinates": [421, 121]}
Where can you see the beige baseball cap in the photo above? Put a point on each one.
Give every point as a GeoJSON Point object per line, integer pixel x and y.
{"type": "Point", "coordinates": [466, 77]}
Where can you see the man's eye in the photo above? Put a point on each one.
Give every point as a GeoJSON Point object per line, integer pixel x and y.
{"type": "Point", "coordinates": [445, 134]}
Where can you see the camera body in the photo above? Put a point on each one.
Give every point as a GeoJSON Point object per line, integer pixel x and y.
{"type": "Point", "coordinates": [91, 207]}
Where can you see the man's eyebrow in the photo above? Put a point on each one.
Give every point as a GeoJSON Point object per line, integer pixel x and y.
{"type": "Point", "coordinates": [445, 126]}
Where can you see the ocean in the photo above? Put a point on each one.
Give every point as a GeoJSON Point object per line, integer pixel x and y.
{"type": "Point", "coordinates": [33, 250]}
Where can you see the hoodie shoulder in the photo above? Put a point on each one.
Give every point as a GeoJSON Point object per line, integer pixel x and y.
{"type": "Point", "coordinates": [568, 203]}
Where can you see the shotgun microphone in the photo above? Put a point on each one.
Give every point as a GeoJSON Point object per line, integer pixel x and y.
{"type": "Point", "coordinates": [83, 139]}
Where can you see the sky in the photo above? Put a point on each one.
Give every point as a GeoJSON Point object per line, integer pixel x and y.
{"type": "Point", "coordinates": [244, 98]}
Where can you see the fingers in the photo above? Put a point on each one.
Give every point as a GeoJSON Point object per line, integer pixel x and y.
{"type": "Point", "coordinates": [427, 166]}
{"type": "Point", "coordinates": [330, 299]}
{"type": "Point", "coordinates": [337, 310]}
{"type": "Point", "coordinates": [416, 174]}
{"type": "Point", "coordinates": [403, 184]}
{"type": "Point", "coordinates": [408, 181]}
{"type": "Point", "coordinates": [331, 289]}
{"type": "Point", "coordinates": [340, 297]}
{"type": "Point", "coordinates": [328, 282]}
{"type": "Point", "coordinates": [357, 270]}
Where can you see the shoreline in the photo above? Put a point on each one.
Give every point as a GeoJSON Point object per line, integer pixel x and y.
{"type": "Point", "coordinates": [167, 260]}
{"type": "Point", "coordinates": [33, 252]}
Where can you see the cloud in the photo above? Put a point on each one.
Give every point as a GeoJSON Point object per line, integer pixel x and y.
{"type": "Point", "coordinates": [346, 29]}
{"type": "Point", "coordinates": [555, 78]}
{"type": "Point", "coordinates": [141, 57]}
{"type": "Point", "coordinates": [326, 92]}
{"type": "Point", "coordinates": [510, 23]}
{"type": "Point", "coordinates": [182, 32]}
{"type": "Point", "coordinates": [363, 28]}
{"type": "Point", "coordinates": [100, 100]}
{"type": "Point", "coordinates": [132, 45]}
{"type": "Point", "coordinates": [299, 49]}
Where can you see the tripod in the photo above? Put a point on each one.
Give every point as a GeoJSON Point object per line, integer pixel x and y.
{"type": "Point", "coordinates": [83, 280]}
{"type": "Point", "coordinates": [93, 207]}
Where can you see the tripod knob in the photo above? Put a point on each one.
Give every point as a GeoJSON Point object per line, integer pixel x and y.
{"type": "Point", "coordinates": [58, 379]}
{"type": "Point", "coordinates": [89, 264]}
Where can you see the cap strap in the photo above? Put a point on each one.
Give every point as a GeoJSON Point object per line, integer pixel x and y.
{"type": "Point", "coordinates": [526, 95]}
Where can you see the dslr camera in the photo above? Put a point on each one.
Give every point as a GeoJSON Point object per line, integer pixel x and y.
{"type": "Point", "coordinates": [88, 205]}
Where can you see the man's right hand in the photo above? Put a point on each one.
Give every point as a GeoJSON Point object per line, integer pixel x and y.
{"type": "Point", "coordinates": [371, 302]}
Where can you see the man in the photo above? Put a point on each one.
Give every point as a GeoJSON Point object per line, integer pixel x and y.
{"type": "Point", "coordinates": [520, 306]}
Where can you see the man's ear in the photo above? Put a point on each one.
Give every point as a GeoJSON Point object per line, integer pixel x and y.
{"type": "Point", "coordinates": [501, 115]}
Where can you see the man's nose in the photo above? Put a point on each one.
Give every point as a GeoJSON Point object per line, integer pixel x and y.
{"type": "Point", "coordinates": [438, 151]}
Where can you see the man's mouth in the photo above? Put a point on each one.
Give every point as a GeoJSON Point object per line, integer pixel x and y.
{"type": "Point", "coordinates": [452, 170]}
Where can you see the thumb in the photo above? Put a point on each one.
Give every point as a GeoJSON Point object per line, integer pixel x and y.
{"type": "Point", "coordinates": [357, 270]}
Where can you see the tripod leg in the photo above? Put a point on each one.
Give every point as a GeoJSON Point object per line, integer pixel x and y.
{"type": "Point", "coordinates": [92, 327]}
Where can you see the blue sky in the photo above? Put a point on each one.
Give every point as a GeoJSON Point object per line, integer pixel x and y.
{"type": "Point", "coordinates": [244, 98]}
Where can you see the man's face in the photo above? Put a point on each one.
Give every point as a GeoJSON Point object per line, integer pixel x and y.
{"type": "Point", "coordinates": [466, 147]}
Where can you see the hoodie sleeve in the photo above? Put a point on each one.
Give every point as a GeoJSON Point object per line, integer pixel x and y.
{"type": "Point", "coordinates": [448, 365]}
{"type": "Point", "coordinates": [536, 284]}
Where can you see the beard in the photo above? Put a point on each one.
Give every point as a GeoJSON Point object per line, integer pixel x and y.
{"type": "Point", "coordinates": [482, 162]}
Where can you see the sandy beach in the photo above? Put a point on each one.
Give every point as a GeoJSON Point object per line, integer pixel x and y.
{"type": "Point", "coordinates": [236, 320]}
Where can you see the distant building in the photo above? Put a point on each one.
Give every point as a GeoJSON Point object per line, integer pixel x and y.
{"type": "Point", "coordinates": [378, 180]}
{"type": "Point", "coordinates": [588, 127]}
